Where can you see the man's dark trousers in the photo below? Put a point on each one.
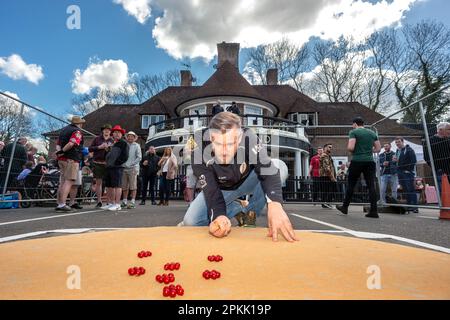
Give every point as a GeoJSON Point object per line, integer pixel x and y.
{"type": "Point", "coordinates": [367, 168]}
{"type": "Point", "coordinates": [146, 180]}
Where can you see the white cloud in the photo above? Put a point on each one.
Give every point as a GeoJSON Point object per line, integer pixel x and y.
{"type": "Point", "coordinates": [140, 9]}
{"type": "Point", "coordinates": [12, 94]}
{"type": "Point", "coordinates": [192, 28]}
{"type": "Point", "coordinates": [108, 74]}
{"type": "Point", "coordinates": [15, 68]}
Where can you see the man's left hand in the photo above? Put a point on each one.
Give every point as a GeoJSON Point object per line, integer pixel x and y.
{"type": "Point", "coordinates": [279, 221]}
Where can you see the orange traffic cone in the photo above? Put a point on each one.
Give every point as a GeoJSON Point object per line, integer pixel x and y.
{"type": "Point", "coordinates": [445, 198]}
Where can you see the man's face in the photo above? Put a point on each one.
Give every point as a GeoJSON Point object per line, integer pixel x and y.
{"type": "Point", "coordinates": [387, 147]}
{"type": "Point", "coordinates": [151, 150]}
{"type": "Point", "coordinates": [117, 135]}
{"type": "Point", "coordinates": [399, 143]}
{"type": "Point", "coordinates": [106, 132]}
{"type": "Point", "coordinates": [320, 151]}
{"type": "Point", "coordinates": [225, 145]}
{"type": "Point", "coordinates": [131, 138]}
{"type": "Point", "coordinates": [328, 149]}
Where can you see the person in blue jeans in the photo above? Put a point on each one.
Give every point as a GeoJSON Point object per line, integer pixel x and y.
{"type": "Point", "coordinates": [388, 172]}
{"type": "Point", "coordinates": [406, 164]}
{"type": "Point", "coordinates": [230, 162]}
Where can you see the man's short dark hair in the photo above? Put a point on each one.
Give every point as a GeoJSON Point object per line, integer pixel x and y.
{"type": "Point", "coordinates": [359, 121]}
{"type": "Point", "coordinates": [327, 144]}
{"type": "Point", "coordinates": [225, 121]}
{"type": "Point", "coordinates": [399, 138]}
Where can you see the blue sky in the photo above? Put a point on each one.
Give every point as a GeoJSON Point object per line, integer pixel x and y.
{"type": "Point", "coordinates": [37, 32]}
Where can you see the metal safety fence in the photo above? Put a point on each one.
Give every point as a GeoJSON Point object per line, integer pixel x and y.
{"type": "Point", "coordinates": [41, 183]}
{"type": "Point", "coordinates": [411, 174]}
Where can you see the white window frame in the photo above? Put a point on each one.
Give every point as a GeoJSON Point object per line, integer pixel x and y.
{"type": "Point", "coordinates": [197, 121]}
{"type": "Point", "coordinates": [151, 119]}
{"type": "Point", "coordinates": [303, 116]}
{"type": "Point", "coordinates": [259, 120]}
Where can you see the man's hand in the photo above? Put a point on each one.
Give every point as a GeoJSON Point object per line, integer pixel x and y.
{"type": "Point", "coordinates": [220, 227]}
{"type": "Point", "coordinates": [279, 221]}
{"type": "Point", "coordinates": [104, 145]}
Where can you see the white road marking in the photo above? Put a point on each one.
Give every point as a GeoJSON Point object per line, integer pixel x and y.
{"type": "Point", "coordinates": [320, 222]}
{"type": "Point", "coordinates": [51, 217]}
{"type": "Point", "coordinates": [426, 217]}
{"type": "Point", "coordinates": [372, 235]}
{"type": "Point", "coordinates": [38, 233]}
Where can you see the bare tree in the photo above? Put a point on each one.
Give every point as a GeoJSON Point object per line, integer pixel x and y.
{"type": "Point", "coordinates": [147, 86]}
{"type": "Point", "coordinates": [46, 124]}
{"type": "Point", "coordinates": [422, 66]}
{"type": "Point", "coordinates": [290, 60]}
{"type": "Point", "coordinates": [138, 90]}
{"type": "Point", "coordinates": [9, 118]}
{"type": "Point", "coordinates": [340, 71]}
{"type": "Point", "coordinates": [378, 78]}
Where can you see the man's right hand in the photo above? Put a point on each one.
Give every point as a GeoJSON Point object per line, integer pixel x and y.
{"type": "Point", "coordinates": [145, 162]}
{"type": "Point", "coordinates": [104, 145]}
{"type": "Point", "coordinates": [220, 227]}
{"type": "Point", "coordinates": [386, 163]}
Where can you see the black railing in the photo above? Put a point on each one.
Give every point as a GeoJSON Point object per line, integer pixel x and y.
{"type": "Point", "coordinates": [304, 189]}
{"type": "Point", "coordinates": [248, 120]}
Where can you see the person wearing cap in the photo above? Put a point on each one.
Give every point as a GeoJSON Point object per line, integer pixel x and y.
{"type": "Point", "coordinates": [115, 159]}
{"type": "Point", "coordinates": [69, 154]}
{"type": "Point", "coordinates": [99, 147]}
{"type": "Point", "coordinates": [362, 144]}
{"type": "Point", "coordinates": [131, 171]}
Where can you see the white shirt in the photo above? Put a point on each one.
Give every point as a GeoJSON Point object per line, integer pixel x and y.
{"type": "Point", "coordinates": [166, 166]}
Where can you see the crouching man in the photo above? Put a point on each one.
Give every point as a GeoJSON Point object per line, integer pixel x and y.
{"type": "Point", "coordinates": [230, 165]}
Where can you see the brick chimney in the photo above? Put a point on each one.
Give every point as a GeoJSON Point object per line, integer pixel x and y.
{"type": "Point", "coordinates": [186, 78]}
{"type": "Point", "coordinates": [228, 52]}
{"type": "Point", "coordinates": [272, 77]}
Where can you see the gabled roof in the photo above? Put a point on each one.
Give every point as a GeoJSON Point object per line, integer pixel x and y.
{"type": "Point", "coordinates": [167, 100]}
{"type": "Point", "coordinates": [287, 99]}
{"type": "Point", "coordinates": [227, 81]}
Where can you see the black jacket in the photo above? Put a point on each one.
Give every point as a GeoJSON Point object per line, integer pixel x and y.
{"type": "Point", "coordinates": [406, 159]}
{"type": "Point", "coordinates": [214, 177]}
{"type": "Point", "coordinates": [216, 109]}
{"type": "Point", "coordinates": [152, 167]}
{"type": "Point", "coordinates": [75, 153]}
{"type": "Point", "coordinates": [440, 148]}
{"type": "Point", "coordinates": [19, 158]}
{"type": "Point", "coordinates": [234, 109]}
{"type": "Point", "coordinates": [118, 154]}
{"type": "Point", "coordinates": [392, 167]}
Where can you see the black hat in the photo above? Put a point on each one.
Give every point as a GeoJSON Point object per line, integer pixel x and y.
{"type": "Point", "coordinates": [106, 126]}
{"type": "Point", "coordinates": [359, 121]}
